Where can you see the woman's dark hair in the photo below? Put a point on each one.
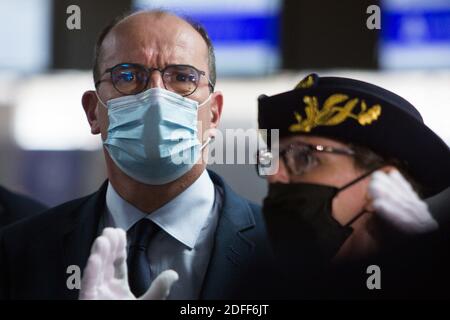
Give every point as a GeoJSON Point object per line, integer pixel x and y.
{"type": "Point", "coordinates": [368, 160]}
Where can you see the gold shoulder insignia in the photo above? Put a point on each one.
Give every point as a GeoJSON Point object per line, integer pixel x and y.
{"type": "Point", "coordinates": [333, 112]}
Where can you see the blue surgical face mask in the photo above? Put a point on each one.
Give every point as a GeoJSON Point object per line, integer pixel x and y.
{"type": "Point", "coordinates": [152, 136]}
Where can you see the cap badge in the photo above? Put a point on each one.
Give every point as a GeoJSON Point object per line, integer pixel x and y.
{"type": "Point", "coordinates": [333, 112]}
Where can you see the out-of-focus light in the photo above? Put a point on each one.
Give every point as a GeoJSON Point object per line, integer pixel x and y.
{"type": "Point", "coordinates": [415, 34]}
{"type": "Point", "coordinates": [245, 34]}
{"type": "Point", "coordinates": [48, 114]}
{"type": "Point", "coordinates": [25, 32]}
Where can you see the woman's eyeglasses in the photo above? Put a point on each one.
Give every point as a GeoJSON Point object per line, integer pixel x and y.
{"type": "Point", "coordinates": [298, 157]}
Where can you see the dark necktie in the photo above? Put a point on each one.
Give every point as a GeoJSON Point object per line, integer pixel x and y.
{"type": "Point", "coordinates": [139, 274]}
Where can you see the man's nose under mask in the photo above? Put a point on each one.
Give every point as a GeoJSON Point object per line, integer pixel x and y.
{"type": "Point", "coordinates": [152, 136]}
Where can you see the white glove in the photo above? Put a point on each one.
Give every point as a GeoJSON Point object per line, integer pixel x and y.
{"type": "Point", "coordinates": [394, 200]}
{"type": "Point", "coordinates": [106, 277]}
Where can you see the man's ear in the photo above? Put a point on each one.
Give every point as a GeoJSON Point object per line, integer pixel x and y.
{"type": "Point", "coordinates": [216, 108]}
{"type": "Point", "coordinates": [90, 102]}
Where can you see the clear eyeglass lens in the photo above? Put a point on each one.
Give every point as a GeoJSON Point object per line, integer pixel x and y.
{"type": "Point", "coordinates": [299, 160]}
{"type": "Point", "coordinates": [129, 79]}
{"type": "Point", "coordinates": [181, 79]}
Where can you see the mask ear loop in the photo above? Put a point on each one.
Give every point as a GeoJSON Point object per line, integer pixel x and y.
{"type": "Point", "coordinates": [355, 218]}
{"type": "Point", "coordinates": [101, 102]}
{"type": "Point", "coordinates": [208, 141]}
{"type": "Point", "coordinates": [204, 102]}
{"type": "Point", "coordinates": [365, 175]}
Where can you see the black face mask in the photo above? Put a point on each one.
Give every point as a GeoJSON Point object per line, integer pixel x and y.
{"type": "Point", "coordinates": [300, 223]}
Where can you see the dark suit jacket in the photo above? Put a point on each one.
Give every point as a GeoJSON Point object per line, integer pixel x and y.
{"type": "Point", "coordinates": [14, 207]}
{"type": "Point", "coordinates": [35, 253]}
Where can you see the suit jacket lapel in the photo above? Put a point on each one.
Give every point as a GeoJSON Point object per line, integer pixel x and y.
{"type": "Point", "coordinates": [232, 248]}
{"type": "Point", "coordinates": [81, 231]}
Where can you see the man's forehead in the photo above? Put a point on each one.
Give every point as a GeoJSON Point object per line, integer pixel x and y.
{"type": "Point", "coordinates": [144, 52]}
{"type": "Point", "coordinates": [167, 39]}
{"type": "Point", "coordinates": [146, 26]}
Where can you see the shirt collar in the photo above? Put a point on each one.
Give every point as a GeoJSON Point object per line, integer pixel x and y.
{"type": "Point", "coordinates": [182, 218]}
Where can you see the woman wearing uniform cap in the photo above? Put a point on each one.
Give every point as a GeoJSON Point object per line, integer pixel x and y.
{"type": "Point", "coordinates": [353, 162]}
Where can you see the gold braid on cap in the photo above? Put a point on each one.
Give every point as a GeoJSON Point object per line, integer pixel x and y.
{"type": "Point", "coordinates": [332, 113]}
{"type": "Point", "coordinates": [306, 83]}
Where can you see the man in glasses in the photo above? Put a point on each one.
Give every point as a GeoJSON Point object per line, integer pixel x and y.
{"type": "Point", "coordinates": [154, 105]}
{"type": "Point", "coordinates": [352, 160]}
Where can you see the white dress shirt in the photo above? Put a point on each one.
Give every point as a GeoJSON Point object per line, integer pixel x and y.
{"type": "Point", "coordinates": [185, 242]}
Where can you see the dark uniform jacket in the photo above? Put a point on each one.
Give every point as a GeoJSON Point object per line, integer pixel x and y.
{"type": "Point", "coordinates": [14, 207]}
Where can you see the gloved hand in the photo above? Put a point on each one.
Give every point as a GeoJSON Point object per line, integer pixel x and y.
{"type": "Point", "coordinates": [106, 277]}
{"type": "Point", "coordinates": [394, 200]}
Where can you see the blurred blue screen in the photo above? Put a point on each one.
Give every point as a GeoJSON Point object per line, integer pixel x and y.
{"type": "Point", "coordinates": [245, 34]}
{"type": "Point", "coordinates": [415, 34]}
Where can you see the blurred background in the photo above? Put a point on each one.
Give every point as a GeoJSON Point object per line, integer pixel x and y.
{"type": "Point", "coordinates": [262, 46]}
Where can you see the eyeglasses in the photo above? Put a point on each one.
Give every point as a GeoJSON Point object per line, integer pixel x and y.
{"type": "Point", "coordinates": [132, 78]}
{"type": "Point", "coordinates": [298, 157]}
